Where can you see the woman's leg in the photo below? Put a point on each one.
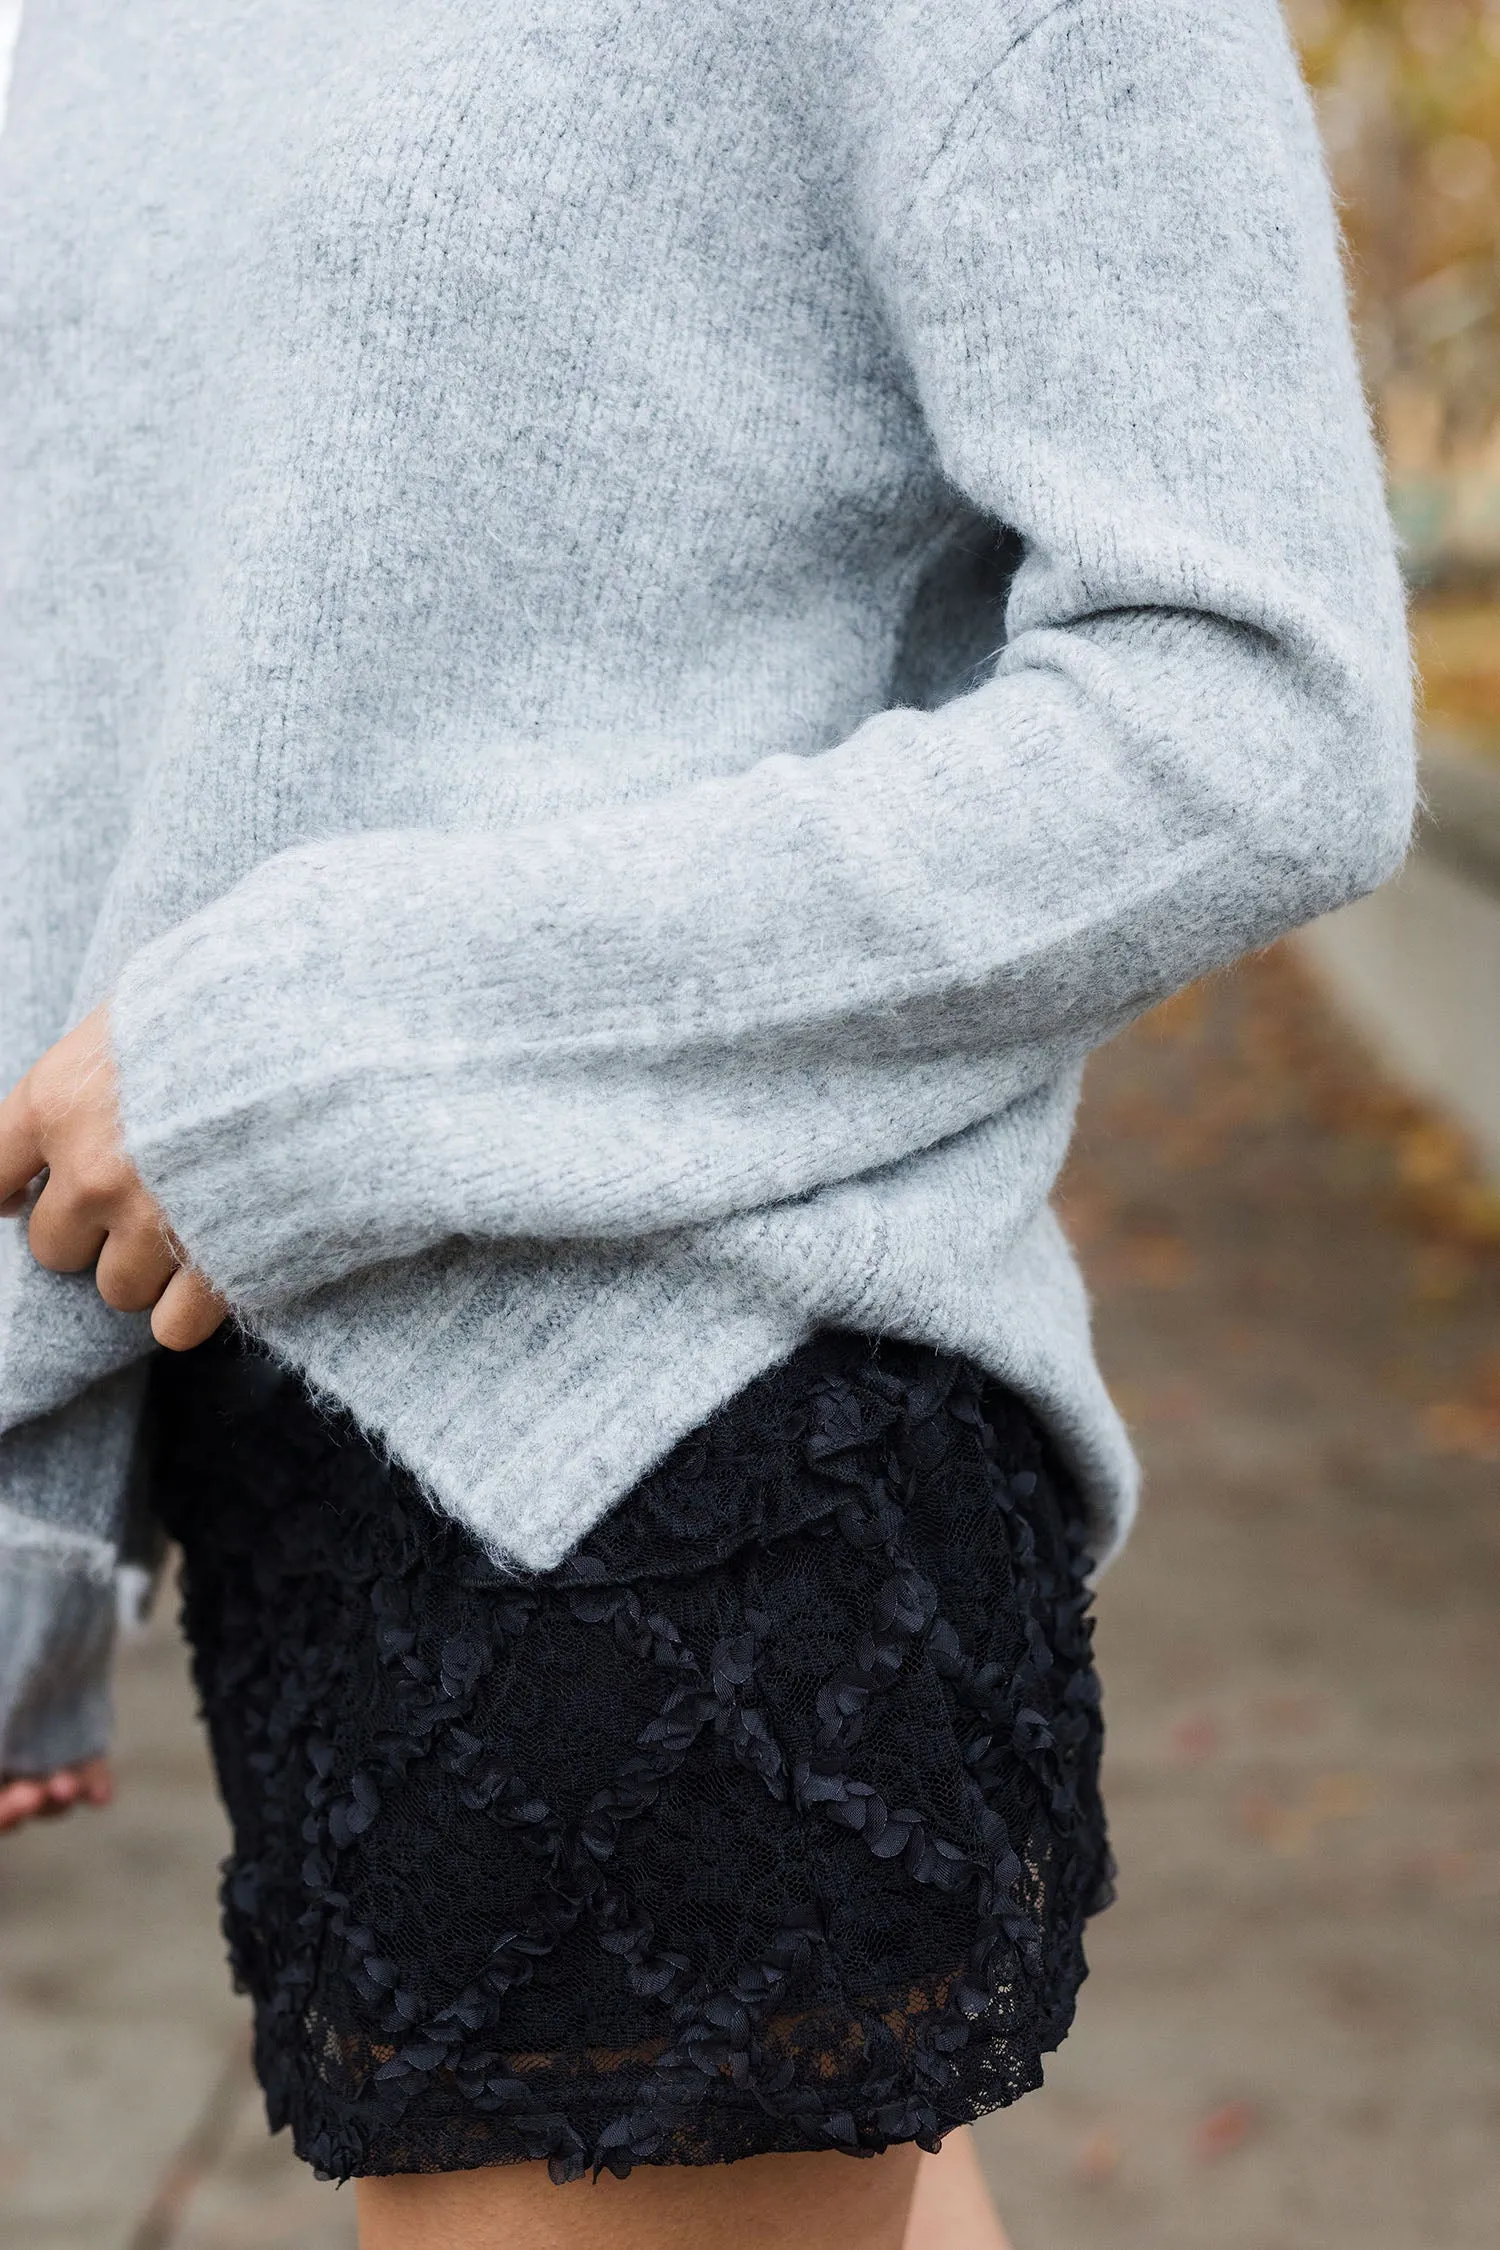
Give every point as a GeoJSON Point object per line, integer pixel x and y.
{"type": "Point", "coordinates": [761, 2203]}
{"type": "Point", "coordinates": [951, 2209]}
{"type": "Point", "coordinates": [900, 2201]}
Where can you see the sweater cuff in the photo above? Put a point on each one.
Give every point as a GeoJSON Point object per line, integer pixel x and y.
{"type": "Point", "coordinates": [57, 1632]}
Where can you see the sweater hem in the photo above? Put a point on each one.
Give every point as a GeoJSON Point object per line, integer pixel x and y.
{"type": "Point", "coordinates": [57, 1633]}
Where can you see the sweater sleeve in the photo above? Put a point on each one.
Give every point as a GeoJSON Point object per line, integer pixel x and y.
{"type": "Point", "coordinates": [1114, 281]}
{"type": "Point", "coordinates": [66, 1525]}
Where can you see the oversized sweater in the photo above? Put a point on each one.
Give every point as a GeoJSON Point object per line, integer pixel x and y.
{"type": "Point", "coordinates": [627, 628]}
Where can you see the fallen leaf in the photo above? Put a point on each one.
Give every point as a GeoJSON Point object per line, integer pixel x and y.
{"type": "Point", "coordinates": [1224, 2130]}
{"type": "Point", "coordinates": [1194, 1739]}
{"type": "Point", "coordinates": [1290, 1829]}
{"type": "Point", "coordinates": [1463, 1429]}
{"type": "Point", "coordinates": [1099, 2158]}
{"type": "Point", "coordinates": [1290, 1714]}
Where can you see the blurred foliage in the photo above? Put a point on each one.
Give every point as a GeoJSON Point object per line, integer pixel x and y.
{"type": "Point", "coordinates": [1408, 95]}
{"type": "Point", "coordinates": [1456, 641]}
{"type": "Point", "coordinates": [1409, 99]}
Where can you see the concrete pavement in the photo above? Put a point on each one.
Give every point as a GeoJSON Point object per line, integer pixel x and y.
{"type": "Point", "coordinates": [1288, 2039]}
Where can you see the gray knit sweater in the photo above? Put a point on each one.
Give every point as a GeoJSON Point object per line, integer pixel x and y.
{"type": "Point", "coordinates": [627, 628]}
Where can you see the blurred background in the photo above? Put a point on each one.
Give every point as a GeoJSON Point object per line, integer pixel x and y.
{"type": "Point", "coordinates": [1286, 1192]}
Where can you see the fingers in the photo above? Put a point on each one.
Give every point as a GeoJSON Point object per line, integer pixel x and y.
{"type": "Point", "coordinates": [62, 1119]}
{"type": "Point", "coordinates": [65, 1097]}
{"type": "Point", "coordinates": [107, 1220]}
{"type": "Point", "coordinates": [20, 1800]}
{"type": "Point", "coordinates": [96, 1782]}
{"type": "Point", "coordinates": [80, 1207]}
{"type": "Point", "coordinates": [187, 1312]}
{"type": "Point", "coordinates": [21, 1156]}
{"type": "Point", "coordinates": [59, 1795]}
{"type": "Point", "coordinates": [94, 1209]}
{"type": "Point", "coordinates": [135, 1266]}
{"type": "Point", "coordinates": [67, 1227]}
{"type": "Point", "coordinates": [44, 1796]}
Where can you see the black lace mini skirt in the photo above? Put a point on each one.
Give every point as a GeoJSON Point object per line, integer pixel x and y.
{"type": "Point", "coordinates": [768, 1821]}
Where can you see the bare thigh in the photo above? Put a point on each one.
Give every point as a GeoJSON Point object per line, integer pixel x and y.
{"type": "Point", "coordinates": [762, 2203]}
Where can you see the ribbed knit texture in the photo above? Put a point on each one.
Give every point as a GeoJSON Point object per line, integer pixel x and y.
{"type": "Point", "coordinates": [485, 492]}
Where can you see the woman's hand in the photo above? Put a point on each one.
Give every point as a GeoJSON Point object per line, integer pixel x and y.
{"type": "Point", "coordinates": [44, 1796]}
{"type": "Point", "coordinates": [64, 1119]}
